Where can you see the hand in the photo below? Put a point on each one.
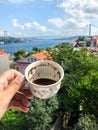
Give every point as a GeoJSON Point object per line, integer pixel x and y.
{"type": "Point", "coordinates": [12, 92]}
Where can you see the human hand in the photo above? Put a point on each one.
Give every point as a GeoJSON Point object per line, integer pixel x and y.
{"type": "Point", "coordinates": [12, 92]}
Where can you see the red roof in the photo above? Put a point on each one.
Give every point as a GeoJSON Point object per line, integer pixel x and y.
{"type": "Point", "coordinates": [42, 55]}
{"type": "Point", "coordinates": [2, 52]}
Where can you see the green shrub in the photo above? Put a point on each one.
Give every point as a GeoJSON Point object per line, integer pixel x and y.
{"type": "Point", "coordinates": [86, 123]}
{"type": "Point", "coordinates": [13, 120]}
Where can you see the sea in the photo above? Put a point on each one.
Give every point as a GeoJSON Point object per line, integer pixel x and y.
{"type": "Point", "coordinates": [11, 48]}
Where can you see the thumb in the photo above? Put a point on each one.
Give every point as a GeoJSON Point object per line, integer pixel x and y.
{"type": "Point", "coordinates": [14, 86]}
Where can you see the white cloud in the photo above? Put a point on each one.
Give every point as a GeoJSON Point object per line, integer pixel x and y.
{"type": "Point", "coordinates": [73, 23]}
{"type": "Point", "coordinates": [57, 21]}
{"type": "Point", "coordinates": [84, 9]}
{"type": "Point", "coordinates": [2, 33]}
{"type": "Point", "coordinates": [19, 34]}
{"type": "Point", "coordinates": [29, 25]}
{"type": "Point", "coordinates": [78, 14]}
{"type": "Point", "coordinates": [16, 24]}
{"type": "Point", "coordinates": [39, 27]}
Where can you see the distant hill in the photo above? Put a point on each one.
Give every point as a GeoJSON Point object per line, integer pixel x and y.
{"type": "Point", "coordinates": [66, 38]}
{"type": "Point", "coordinates": [28, 39]}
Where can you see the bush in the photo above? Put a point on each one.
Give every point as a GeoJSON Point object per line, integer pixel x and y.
{"type": "Point", "coordinates": [13, 119]}
{"type": "Point", "coordinates": [86, 123]}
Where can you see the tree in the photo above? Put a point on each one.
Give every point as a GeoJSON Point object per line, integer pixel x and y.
{"type": "Point", "coordinates": [42, 113]}
{"type": "Point", "coordinates": [81, 38]}
{"type": "Point", "coordinates": [13, 119]}
{"type": "Point", "coordinates": [35, 49]}
{"type": "Point", "coordinates": [86, 122]}
{"type": "Point", "coordinates": [19, 54]}
{"type": "Point", "coordinates": [78, 93]}
{"type": "Point", "coordinates": [80, 83]}
{"type": "Point", "coordinates": [80, 71]}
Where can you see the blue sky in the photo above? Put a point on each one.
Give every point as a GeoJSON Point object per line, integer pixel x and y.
{"type": "Point", "coordinates": [48, 17]}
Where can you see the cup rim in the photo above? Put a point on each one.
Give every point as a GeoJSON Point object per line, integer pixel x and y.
{"type": "Point", "coordinates": [40, 62]}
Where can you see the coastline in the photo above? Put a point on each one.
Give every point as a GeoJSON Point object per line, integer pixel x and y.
{"type": "Point", "coordinates": [11, 48]}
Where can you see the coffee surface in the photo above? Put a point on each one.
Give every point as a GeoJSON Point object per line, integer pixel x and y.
{"type": "Point", "coordinates": [44, 81]}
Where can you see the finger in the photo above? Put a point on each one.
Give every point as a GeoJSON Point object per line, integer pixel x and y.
{"type": "Point", "coordinates": [7, 76]}
{"type": "Point", "coordinates": [21, 98]}
{"type": "Point", "coordinates": [27, 93]}
{"type": "Point", "coordinates": [14, 86]}
{"type": "Point", "coordinates": [18, 105]}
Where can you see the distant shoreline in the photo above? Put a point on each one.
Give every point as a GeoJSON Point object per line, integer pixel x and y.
{"type": "Point", "coordinates": [7, 40]}
{"type": "Point", "coordinates": [11, 48]}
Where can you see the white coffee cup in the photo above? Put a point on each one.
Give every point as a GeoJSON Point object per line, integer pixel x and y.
{"type": "Point", "coordinates": [44, 78]}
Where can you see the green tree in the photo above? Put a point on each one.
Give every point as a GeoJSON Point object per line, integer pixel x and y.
{"type": "Point", "coordinates": [78, 93]}
{"type": "Point", "coordinates": [19, 54]}
{"type": "Point", "coordinates": [42, 113]}
{"type": "Point", "coordinates": [35, 49]}
{"type": "Point", "coordinates": [86, 122]}
{"type": "Point", "coordinates": [13, 119]}
{"type": "Point", "coordinates": [81, 38]}
{"type": "Point", "coordinates": [80, 83]}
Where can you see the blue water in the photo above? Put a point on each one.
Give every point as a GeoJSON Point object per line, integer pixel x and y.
{"type": "Point", "coordinates": [11, 48]}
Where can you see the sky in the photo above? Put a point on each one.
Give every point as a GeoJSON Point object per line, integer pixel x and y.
{"type": "Point", "coordinates": [23, 18]}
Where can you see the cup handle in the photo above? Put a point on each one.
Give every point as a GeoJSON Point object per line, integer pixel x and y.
{"type": "Point", "coordinates": [26, 86]}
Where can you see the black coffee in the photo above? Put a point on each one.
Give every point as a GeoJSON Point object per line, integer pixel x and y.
{"type": "Point", "coordinates": [44, 81]}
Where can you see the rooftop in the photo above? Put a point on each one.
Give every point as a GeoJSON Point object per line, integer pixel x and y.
{"type": "Point", "coordinates": [39, 56]}
{"type": "Point", "coordinates": [42, 55]}
{"type": "Point", "coordinates": [2, 52]}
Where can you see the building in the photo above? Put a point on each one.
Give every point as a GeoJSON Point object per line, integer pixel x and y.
{"type": "Point", "coordinates": [81, 44]}
{"type": "Point", "coordinates": [21, 64]}
{"type": "Point", "coordinates": [4, 61]}
{"type": "Point", "coordinates": [94, 41]}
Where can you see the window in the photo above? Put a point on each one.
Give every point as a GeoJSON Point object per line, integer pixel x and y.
{"type": "Point", "coordinates": [31, 59]}
{"type": "Point", "coordinates": [34, 59]}
{"type": "Point", "coordinates": [28, 60]}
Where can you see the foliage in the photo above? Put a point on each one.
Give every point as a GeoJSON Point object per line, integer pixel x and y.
{"type": "Point", "coordinates": [42, 113]}
{"type": "Point", "coordinates": [86, 122]}
{"type": "Point", "coordinates": [81, 38]}
{"type": "Point", "coordinates": [80, 83]}
{"type": "Point", "coordinates": [34, 50]}
{"type": "Point", "coordinates": [78, 93]}
{"type": "Point", "coordinates": [30, 53]}
{"type": "Point", "coordinates": [19, 54]}
{"type": "Point", "coordinates": [13, 119]}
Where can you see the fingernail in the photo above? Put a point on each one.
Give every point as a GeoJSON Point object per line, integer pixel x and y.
{"type": "Point", "coordinates": [20, 79]}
